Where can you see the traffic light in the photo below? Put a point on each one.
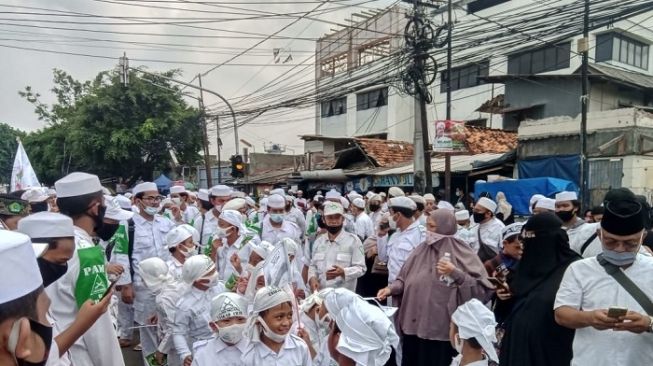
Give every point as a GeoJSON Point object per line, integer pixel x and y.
{"type": "Point", "coordinates": [237, 166]}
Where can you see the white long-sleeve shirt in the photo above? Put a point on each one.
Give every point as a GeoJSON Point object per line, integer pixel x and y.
{"type": "Point", "coordinates": [225, 269]}
{"type": "Point", "coordinates": [395, 251]}
{"type": "Point", "coordinates": [345, 251]}
{"type": "Point", "coordinates": [490, 234]}
{"type": "Point", "coordinates": [364, 226]}
{"type": "Point", "coordinates": [466, 234]}
{"type": "Point", "coordinates": [192, 320]}
{"type": "Point", "coordinates": [294, 352]}
{"type": "Point", "coordinates": [215, 351]}
{"type": "Point", "coordinates": [206, 225]}
{"type": "Point", "coordinates": [273, 234]}
{"type": "Point", "coordinates": [166, 307]}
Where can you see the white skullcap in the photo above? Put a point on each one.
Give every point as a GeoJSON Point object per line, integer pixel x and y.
{"type": "Point", "coordinates": [344, 202]}
{"type": "Point", "coordinates": [487, 203]}
{"type": "Point", "coordinates": [238, 194]}
{"type": "Point", "coordinates": [45, 225]}
{"type": "Point", "coordinates": [382, 194]}
{"type": "Point", "coordinates": [250, 201]}
{"type": "Point", "coordinates": [263, 249]}
{"type": "Point", "coordinates": [195, 267]}
{"type": "Point", "coordinates": [289, 198]}
{"type": "Point", "coordinates": [396, 192]}
{"type": "Point", "coordinates": [475, 320]}
{"type": "Point", "coordinates": [124, 202]}
{"type": "Point", "coordinates": [106, 191]}
{"type": "Point", "coordinates": [333, 208]}
{"type": "Point", "coordinates": [445, 204]}
{"type": "Point", "coordinates": [309, 302]}
{"type": "Point", "coordinates": [404, 202]}
{"type": "Point", "coordinates": [192, 194]}
{"type": "Point", "coordinates": [193, 232]}
{"type": "Point", "coordinates": [462, 215]}
{"type": "Point", "coordinates": [276, 201]}
{"type": "Point", "coordinates": [114, 211]}
{"type": "Point", "coordinates": [21, 274]}
{"type": "Point", "coordinates": [367, 334]}
{"type": "Point", "coordinates": [269, 297]}
{"type": "Point", "coordinates": [228, 305]}
{"type": "Point", "coordinates": [376, 197]}
{"type": "Point", "coordinates": [338, 299]}
{"type": "Point", "coordinates": [429, 197]}
{"type": "Point", "coordinates": [220, 191]}
{"type": "Point", "coordinates": [145, 187]}
{"type": "Point", "coordinates": [369, 194]}
{"type": "Point", "coordinates": [418, 199]}
{"type": "Point", "coordinates": [353, 195]}
{"type": "Point", "coordinates": [176, 236]}
{"type": "Point", "coordinates": [511, 230]}
{"type": "Point", "coordinates": [234, 218]}
{"type": "Point", "coordinates": [533, 200]}
{"type": "Point", "coordinates": [566, 196]}
{"type": "Point", "coordinates": [317, 197]}
{"type": "Point", "coordinates": [264, 204]}
{"type": "Point", "coordinates": [77, 184]}
{"type": "Point", "coordinates": [35, 195]}
{"type": "Point", "coordinates": [291, 246]}
{"type": "Point", "coordinates": [333, 194]}
{"type": "Point", "coordinates": [278, 191]}
{"type": "Point", "coordinates": [359, 202]}
{"type": "Point", "coordinates": [166, 201]}
{"type": "Point", "coordinates": [235, 204]}
{"type": "Point", "coordinates": [52, 192]}
{"type": "Point", "coordinates": [546, 203]}
{"type": "Point", "coordinates": [154, 271]}
{"type": "Point", "coordinates": [203, 194]}
{"type": "Point", "coordinates": [177, 189]}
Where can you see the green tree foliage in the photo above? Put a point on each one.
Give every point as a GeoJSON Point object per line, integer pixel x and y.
{"type": "Point", "coordinates": [112, 130]}
{"type": "Point", "coordinates": [8, 146]}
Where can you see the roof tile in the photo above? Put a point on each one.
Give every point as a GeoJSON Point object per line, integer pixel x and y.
{"type": "Point", "coordinates": [386, 152]}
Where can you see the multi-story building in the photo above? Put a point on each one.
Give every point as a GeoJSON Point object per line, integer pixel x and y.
{"type": "Point", "coordinates": [513, 60]}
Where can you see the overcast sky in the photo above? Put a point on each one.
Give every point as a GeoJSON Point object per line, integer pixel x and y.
{"type": "Point", "coordinates": [21, 67]}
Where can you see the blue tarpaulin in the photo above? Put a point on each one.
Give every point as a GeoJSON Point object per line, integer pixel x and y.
{"type": "Point", "coordinates": [163, 183]}
{"type": "Point", "coordinates": [559, 166]}
{"type": "Point", "coordinates": [519, 191]}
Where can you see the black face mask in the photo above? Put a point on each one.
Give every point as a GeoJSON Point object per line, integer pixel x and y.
{"type": "Point", "coordinates": [374, 207]}
{"type": "Point", "coordinates": [207, 206]}
{"type": "Point", "coordinates": [565, 216]}
{"type": "Point", "coordinates": [333, 229]}
{"type": "Point", "coordinates": [479, 217]}
{"type": "Point", "coordinates": [50, 272]}
{"type": "Point", "coordinates": [98, 221]}
{"type": "Point", "coordinates": [106, 231]}
{"type": "Point", "coordinates": [45, 333]}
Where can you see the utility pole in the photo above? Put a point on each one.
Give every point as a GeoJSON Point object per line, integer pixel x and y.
{"type": "Point", "coordinates": [447, 156]}
{"type": "Point", "coordinates": [207, 158]}
{"type": "Point", "coordinates": [218, 144]}
{"type": "Point", "coordinates": [584, 100]}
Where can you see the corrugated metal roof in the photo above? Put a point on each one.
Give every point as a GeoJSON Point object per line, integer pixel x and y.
{"type": "Point", "coordinates": [635, 78]}
{"type": "Point", "coordinates": [459, 163]}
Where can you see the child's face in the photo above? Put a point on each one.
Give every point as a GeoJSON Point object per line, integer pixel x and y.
{"type": "Point", "coordinates": [453, 333]}
{"type": "Point", "coordinates": [227, 322]}
{"type": "Point", "coordinates": [279, 318]}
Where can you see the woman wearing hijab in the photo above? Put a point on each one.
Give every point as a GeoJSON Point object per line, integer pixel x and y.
{"type": "Point", "coordinates": [504, 209]}
{"type": "Point", "coordinates": [532, 336]}
{"type": "Point", "coordinates": [441, 274]}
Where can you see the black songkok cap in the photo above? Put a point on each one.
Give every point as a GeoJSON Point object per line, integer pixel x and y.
{"type": "Point", "coordinates": [623, 213]}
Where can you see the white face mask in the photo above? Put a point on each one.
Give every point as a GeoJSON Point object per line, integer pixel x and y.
{"type": "Point", "coordinates": [187, 253]}
{"type": "Point", "coordinates": [213, 279]}
{"type": "Point", "coordinates": [151, 210]}
{"type": "Point", "coordinates": [232, 334]}
{"type": "Point", "coordinates": [324, 321]}
{"type": "Point", "coordinates": [392, 223]}
{"type": "Point", "coordinates": [222, 233]}
{"type": "Point", "coordinates": [458, 343]}
{"type": "Point", "coordinates": [176, 201]}
{"type": "Point", "coordinates": [218, 208]}
{"type": "Point", "coordinates": [277, 338]}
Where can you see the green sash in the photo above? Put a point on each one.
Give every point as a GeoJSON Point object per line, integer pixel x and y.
{"type": "Point", "coordinates": [92, 280]}
{"type": "Point", "coordinates": [120, 241]}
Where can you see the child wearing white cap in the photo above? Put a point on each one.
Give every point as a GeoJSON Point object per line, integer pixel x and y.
{"type": "Point", "coordinates": [473, 335]}
{"type": "Point", "coordinates": [181, 245]}
{"type": "Point", "coordinates": [228, 322]}
{"type": "Point", "coordinates": [271, 342]}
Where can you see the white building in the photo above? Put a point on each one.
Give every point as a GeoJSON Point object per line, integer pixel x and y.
{"type": "Point", "coordinates": [357, 68]}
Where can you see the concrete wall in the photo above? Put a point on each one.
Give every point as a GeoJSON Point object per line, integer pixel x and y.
{"type": "Point", "coordinates": [268, 162]}
{"type": "Point", "coordinates": [638, 175]}
{"type": "Point", "coordinates": [522, 93]}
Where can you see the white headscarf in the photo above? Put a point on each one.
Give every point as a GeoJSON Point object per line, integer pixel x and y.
{"type": "Point", "coordinates": [228, 305]}
{"type": "Point", "coordinates": [504, 206]}
{"type": "Point", "coordinates": [234, 218]}
{"type": "Point", "coordinates": [266, 298]}
{"type": "Point", "coordinates": [195, 267]}
{"type": "Point", "coordinates": [475, 320]}
{"type": "Point", "coordinates": [367, 335]}
{"type": "Point", "coordinates": [155, 273]}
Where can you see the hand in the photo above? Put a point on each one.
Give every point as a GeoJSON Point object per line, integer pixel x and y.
{"type": "Point", "coordinates": [188, 361]}
{"type": "Point", "coordinates": [503, 294]}
{"type": "Point", "coordinates": [372, 252]}
{"type": "Point", "coordinates": [600, 320]}
{"type": "Point", "coordinates": [303, 334]}
{"type": "Point", "coordinates": [217, 243]}
{"type": "Point", "coordinates": [335, 272]}
{"type": "Point", "coordinates": [299, 293]}
{"type": "Point", "coordinates": [633, 322]}
{"type": "Point", "coordinates": [114, 269]}
{"type": "Point", "coordinates": [127, 294]}
{"type": "Point", "coordinates": [445, 267]}
{"type": "Point", "coordinates": [235, 262]}
{"type": "Point", "coordinates": [314, 284]}
{"type": "Point", "coordinates": [158, 356]}
{"type": "Point", "coordinates": [152, 320]}
{"type": "Point", "coordinates": [383, 294]}
{"type": "Point", "coordinates": [91, 311]}
{"type": "Point", "coordinates": [242, 285]}
{"type": "Point", "coordinates": [176, 212]}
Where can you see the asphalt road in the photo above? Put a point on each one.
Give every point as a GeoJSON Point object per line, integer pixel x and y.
{"type": "Point", "coordinates": [132, 358]}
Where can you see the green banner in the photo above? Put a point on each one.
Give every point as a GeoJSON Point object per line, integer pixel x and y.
{"type": "Point", "coordinates": [92, 280]}
{"type": "Point", "coordinates": [120, 240]}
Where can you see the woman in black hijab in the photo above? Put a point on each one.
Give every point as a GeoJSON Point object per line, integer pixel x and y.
{"type": "Point", "coordinates": [532, 336]}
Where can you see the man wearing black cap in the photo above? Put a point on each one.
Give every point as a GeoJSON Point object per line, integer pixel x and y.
{"type": "Point", "coordinates": [588, 294]}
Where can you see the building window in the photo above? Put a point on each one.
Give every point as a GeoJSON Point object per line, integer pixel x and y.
{"type": "Point", "coordinates": [540, 60]}
{"type": "Point", "coordinates": [334, 107]}
{"type": "Point", "coordinates": [479, 5]}
{"type": "Point", "coordinates": [617, 47]}
{"type": "Point", "coordinates": [333, 65]}
{"type": "Point", "coordinates": [465, 76]}
{"type": "Point", "coordinates": [372, 99]}
{"type": "Point", "coordinates": [373, 52]}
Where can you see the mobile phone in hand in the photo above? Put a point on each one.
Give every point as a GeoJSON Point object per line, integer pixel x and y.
{"type": "Point", "coordinates": [498, 283]}
{"type": "Point", "coordinates": [108, 291]}
{"type": "Point", "coordinates": [615, 312]}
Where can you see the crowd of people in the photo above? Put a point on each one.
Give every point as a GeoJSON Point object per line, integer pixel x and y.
{"type": "Point", "coordinates": [217, 277]}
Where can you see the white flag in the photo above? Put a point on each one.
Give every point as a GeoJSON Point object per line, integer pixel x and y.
{"type": "Point", "coordinates": [277, 267]}
{"type": "Point", "coordinates": [23, 175]}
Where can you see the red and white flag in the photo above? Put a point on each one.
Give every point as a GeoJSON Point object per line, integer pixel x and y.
{"type": "Point", "coordinates": [23, 175]}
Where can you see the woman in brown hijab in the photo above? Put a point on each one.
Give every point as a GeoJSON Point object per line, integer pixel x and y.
{"type": "Point", "coordinates": [430, 288]}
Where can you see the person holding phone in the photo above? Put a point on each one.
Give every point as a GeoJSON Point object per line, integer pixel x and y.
{"type": "Point", "coordinates": [604, 314]}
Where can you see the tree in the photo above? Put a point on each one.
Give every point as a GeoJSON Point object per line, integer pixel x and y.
{"type": "Point", "coordinates": [105, 128]}
{"type": "Point", "coordinates": [8, 146]}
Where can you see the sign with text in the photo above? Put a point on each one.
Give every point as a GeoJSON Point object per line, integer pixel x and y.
{"type": "Point", "coordinates": [449, 136]}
